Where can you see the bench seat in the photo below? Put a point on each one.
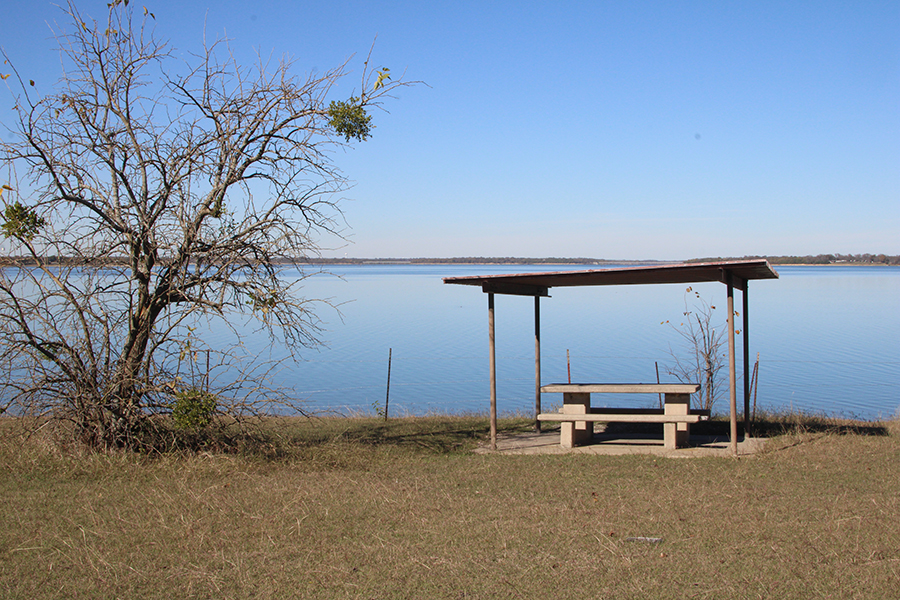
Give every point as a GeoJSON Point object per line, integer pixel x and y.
{"type": "Point", "coordinates": [621, 388]}
{"type": "Point", "coordinates": [626, 415]}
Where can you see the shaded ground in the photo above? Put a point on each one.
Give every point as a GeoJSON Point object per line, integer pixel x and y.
{"type": "Point", "coordinates": [707, 439]}
{"type": "Point", "coordinates": [547, 442]}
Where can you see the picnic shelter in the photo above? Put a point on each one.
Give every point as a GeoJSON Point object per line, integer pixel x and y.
{"type": "Point", "coordinates": [733, 274]}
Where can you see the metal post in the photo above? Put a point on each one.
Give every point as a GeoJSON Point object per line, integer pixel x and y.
{"type": "Point", "coordinates": [387, 396]}
{"type": "Point", "coordinates": [732, 375]}
{"type": "Point", "coordinates": [537, 363]}
{"type": "Point", "coordinates": [492, 359]}
{"type": "Point", "coordinates": [746, 303]}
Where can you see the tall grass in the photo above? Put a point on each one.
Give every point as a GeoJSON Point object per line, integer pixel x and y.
{"type": "Point", "coordinates": [366, 509]}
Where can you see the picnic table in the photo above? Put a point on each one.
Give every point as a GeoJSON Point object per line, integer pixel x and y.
{"type": "Point", "coordinates": [577, 416]}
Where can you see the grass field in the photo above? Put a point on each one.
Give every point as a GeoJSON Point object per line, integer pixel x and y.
{"type": "Point", "coordinates": [356, 508]}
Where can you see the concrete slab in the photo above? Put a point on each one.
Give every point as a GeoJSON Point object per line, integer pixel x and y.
{"type": "Point", "coordinates": [620, 443]}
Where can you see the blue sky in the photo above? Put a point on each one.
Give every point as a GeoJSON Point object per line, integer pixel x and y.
{"type": "Point", "coordinates": [654, 130]}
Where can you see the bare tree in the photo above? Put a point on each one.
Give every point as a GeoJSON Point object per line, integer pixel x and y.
{"type": "Point", "coordinates": [704, 352]}
{"type": "Point", "coordinates": [145, 192]}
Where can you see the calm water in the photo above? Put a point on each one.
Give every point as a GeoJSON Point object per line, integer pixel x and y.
{"type": "Point", "coordinates": [827, 339]}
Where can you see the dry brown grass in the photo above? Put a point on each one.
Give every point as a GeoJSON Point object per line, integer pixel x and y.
{"type": "Point", "coordinates": [360, 509]}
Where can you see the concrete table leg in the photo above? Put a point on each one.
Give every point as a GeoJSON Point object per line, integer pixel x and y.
{"type": "Point", "coordinates": [579, 432]}
{"type": "Point", "coordinates": [676, 435]}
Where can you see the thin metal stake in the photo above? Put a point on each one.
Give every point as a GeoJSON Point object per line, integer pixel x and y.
{"type": "Point", "coordinates": [387, 398]}
{"type": "Point", "coordinates": [755, 385]}
{"type": "Point", "coordinates": [657, 381]}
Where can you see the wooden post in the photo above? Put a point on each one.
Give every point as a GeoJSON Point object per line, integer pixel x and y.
{"type": "Point", "coordinates": [492, 360]}
{"type": "Point", "coordinates": [537, 363]}
{"type": "Point", "coordinates": [746, 315]}
{"type": "Point", "coordinates": [732, 374]}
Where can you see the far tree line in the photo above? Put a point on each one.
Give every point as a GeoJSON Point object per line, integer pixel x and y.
{"type": "Point", "coordinates": [820, 259]}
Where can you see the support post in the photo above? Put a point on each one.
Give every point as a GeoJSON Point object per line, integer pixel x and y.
{"type": "Point", "coordinates": [537, 363]}
{"type": "Point", "coordinates": [492, 359]}
{"type": "Point", "coordinates": [732, 374]}
{"type": "Point", "coordinates": [746, 332]}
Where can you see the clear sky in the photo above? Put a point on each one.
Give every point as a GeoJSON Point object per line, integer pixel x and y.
{"type": "Point", "coordinates": [626, 129]}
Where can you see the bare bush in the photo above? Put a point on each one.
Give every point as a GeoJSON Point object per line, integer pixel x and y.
{"type": "Point", "coordinates": [704, 352]}
{"type": "Point", "coordinates": [144, 194]}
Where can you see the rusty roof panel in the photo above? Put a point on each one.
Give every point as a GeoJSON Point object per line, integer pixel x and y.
{"type": "Point", "coordinates": [740, 271]}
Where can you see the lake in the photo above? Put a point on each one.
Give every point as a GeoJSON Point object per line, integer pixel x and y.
{"type": "Point", "coordinates": [827, 339]}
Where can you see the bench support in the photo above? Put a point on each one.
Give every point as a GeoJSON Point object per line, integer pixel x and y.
{"type": "Point", "coordinates": [676, 435]}
{"type": "Point", "coordinates": [575, 433]}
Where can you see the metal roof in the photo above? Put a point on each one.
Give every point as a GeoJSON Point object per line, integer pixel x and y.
{"type": "Point", "coordinates": [538, 284]}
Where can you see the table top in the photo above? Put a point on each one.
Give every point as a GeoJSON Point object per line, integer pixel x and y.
{"type": "Point", "coordinates": [622, 388]}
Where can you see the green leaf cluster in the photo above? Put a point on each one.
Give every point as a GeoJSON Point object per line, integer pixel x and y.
{"type": "Point", "coordinates": [263, 302]}
{"type": "Point", "coordinates": [383, 73]}
{"type": "Point", "coordinates": [193, 409]}
{"type": "Point", "coordinates": [350, 119]}
{"type": "Point", "coordinates": [21, 222]}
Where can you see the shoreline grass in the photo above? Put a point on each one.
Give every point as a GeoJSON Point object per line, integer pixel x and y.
{"type": "Point", "coordinates": [360, 508]}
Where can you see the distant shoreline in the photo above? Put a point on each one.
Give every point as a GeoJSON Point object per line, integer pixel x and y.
{"type": "Point", "coordinates": [829, 260]}
{"type": "Point", "coordinates": [804, 261]}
